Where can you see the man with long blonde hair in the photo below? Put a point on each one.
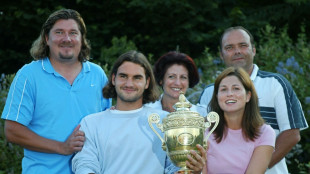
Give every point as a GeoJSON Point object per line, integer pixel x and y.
{"type": "Point", "coordinates": [49, 97]}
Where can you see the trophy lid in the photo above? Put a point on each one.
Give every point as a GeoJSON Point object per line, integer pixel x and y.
{"type": "Point", "coordinates": [182, 105]}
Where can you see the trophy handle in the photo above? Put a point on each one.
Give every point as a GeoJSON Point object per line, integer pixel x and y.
{"type": "Point", "coordinates": [155, 118]}
{"type": "Point", "coordinates": [212, 117]}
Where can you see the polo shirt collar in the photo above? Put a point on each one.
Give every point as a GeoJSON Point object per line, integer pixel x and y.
{"type": "Point", "coordinates": [47, 66]}
{"type": "Point", "coordinates": [86, 67]}
{"type": "Point", "coordinates": [254, 72]}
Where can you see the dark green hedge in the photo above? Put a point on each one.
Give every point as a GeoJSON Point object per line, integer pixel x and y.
{"type": "Point", "coordinates": [154, 26]}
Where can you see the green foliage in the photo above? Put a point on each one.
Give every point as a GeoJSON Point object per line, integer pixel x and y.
{"type": "Point", "coordinates": [277, 52]}
{"type": "Point", "coordinates": [5, 82]}
{"type": "Point", "coordinates": [119, 46]}
{"type": "Point", "coordinates": [154, 26]}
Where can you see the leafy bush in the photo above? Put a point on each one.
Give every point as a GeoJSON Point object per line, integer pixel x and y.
{"type": "Point", "coordinates": [277, 52]}
{"type": "Point", "coordinates": [119, 46]}
{"type": "Point", "coordinates": [108, 55]}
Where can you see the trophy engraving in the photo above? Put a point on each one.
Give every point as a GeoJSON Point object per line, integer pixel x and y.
{"type": "Point", "coordinates": [185, 139]}
{"type": "Point", "coordinates": [183, 129]}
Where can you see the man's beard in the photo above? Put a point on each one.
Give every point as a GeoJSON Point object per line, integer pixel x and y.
{"type": "Point", "coordinates": [130, 99]}
{"type": "Point", "coordinates": [68, 57]}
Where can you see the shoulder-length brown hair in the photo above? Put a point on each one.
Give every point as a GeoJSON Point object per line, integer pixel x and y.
{"type": "Point", "coordinates": [150, 94]}
{"type": "Point", "coordinates": [40, 49]}
{"type": "Point", "coordinates": [251, 120]}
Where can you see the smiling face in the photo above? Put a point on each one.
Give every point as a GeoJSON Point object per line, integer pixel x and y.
{"type": "Point", "coordinates": [232, 96]}
{"type": "Point", "coordinates": [64, 41]}
{"type": "Point", "coordinates": [175, 80]}
{"type": "Point", "coordinates": [237, 50]}
{"type": "Point", "coordinates": [130, 82]}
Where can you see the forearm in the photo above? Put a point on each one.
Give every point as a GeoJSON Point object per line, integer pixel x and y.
{"type": "Point", "coordinates": [204, 170]}
{"type": "Point", "coordinates": [284, 143]}
{"type": "Point", "coordinates": [21, 135]}
{"type": "Point", "coordinates": [260, 159]}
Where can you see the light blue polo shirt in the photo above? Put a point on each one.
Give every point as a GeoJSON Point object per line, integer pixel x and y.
{"type": "Point", "coordinates": [45, 102]}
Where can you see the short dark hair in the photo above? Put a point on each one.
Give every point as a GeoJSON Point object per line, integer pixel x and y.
{"type": "Point", "coordinates": [40, 49]}
{"type": "Point", "coordinates": [150, 94]}
{"type": "Point", "coordinates": [252, 120]}
{"type": "Point", "coordinates": [237, 28]}
{"type": "Point", "coordinates": [173, 57]}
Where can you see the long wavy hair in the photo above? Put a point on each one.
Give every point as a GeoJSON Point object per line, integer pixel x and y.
{"type": "Point", "coordinates": [150, 94]}
{"type": "Point", "coordinates": [251, 120]}
{"type": "Point", "coordinates": [40, 49]}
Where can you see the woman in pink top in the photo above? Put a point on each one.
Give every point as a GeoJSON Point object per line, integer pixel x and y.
{"type": "Point", "coordinates": [242, 142]}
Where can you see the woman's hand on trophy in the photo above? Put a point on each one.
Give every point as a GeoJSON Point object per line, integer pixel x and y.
{"type": "Point", "coordinates": [195, 161]}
